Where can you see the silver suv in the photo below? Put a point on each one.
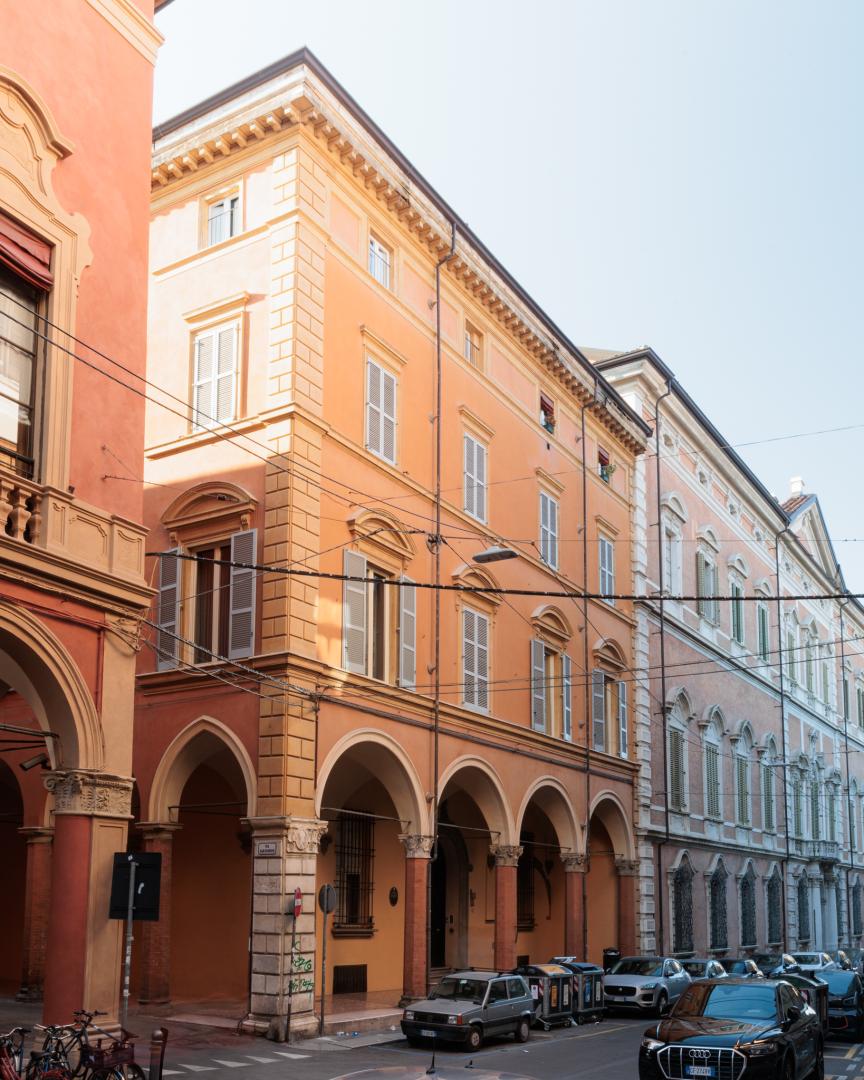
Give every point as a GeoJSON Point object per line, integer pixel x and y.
{"type": "Point", "coordinates": [467, 1006]}
{"type": "Point", "coordinates": [644, 983]}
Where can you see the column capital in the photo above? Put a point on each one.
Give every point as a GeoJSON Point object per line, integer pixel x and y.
{"type": "Point", "coordinates": [416, 845]}
{"type": "Point", "coordinates": [36, 834]}
{"type": "Point", "coordinates": [506, 854]}
{"type": "Point", "coordinates": [158, 830]}
{"type": "Point", "coordinates": [296, 835]}
{"type": "Point", "coordinates": [90, 794]}
{"type": "Point", "coordinates": [574, 863]}
{"type": "Point", "coordinates": [626, 867]}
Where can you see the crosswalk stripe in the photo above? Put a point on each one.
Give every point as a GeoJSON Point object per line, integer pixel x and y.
{"type": "Point", "coordinates": [295, 1057]}
{"type": "Point", "coordinates": [263, 1060]}
{"type": "Point", "coordinates": [171, 1072]}
{"type": "Point", "coordinates": [195, 1068]}
{"type": "Point", "coordinates": [232, 1064]}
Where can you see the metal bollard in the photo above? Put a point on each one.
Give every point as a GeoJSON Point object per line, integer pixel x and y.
{"type": "Point", "coordinates": [158, 1041]}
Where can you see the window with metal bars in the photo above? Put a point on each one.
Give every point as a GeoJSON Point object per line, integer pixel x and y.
{"type": "Point", "coordinates": [841, 922]}
{"type": "Point", "coordinates": [775, 912]}
{"type": "Point", "coordinates": [355, 855]}
{"type": "Point", "coordinates": [803, 891]}
{"type": "Point", "coordinates": [525, 886]}
{"type": "Point", "coordinates": [748, 908]}
{"type": "Point", "coordinates": [717, 903]}
{"type": "Point", "coordinates": [682, 908]}
{"type": "Point", "coordinates": [856, 908]}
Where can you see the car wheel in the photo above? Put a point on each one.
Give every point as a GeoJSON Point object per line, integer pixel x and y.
{"type": "Point", "coordinates": [523, 1031]}
{"type": "Point", "coordinates": [662, 1003]}
{"type": "Point", "coordinates": [475, 1038]}
{"type": "Point", "coordinates": [818, 1071]}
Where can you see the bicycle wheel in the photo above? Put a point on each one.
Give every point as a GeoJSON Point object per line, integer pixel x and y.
{"type": "Point", "coordinates": [130, 1071]}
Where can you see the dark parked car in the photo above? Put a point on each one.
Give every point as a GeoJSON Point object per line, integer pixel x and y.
{"type": "Point", "coordinates": [845, 1003]}
{"type": "Point", "coordinates": [646, 983]}
{"type": "Point", "coordinates": [703, 969]}
{"type": "Point", "coordinates": [775, 965]}
{"type": "Point", "coordinates": [469, 1005]}
{"type": "Point", "coordinates": [742, 966]}
{"type": "Point", "coordinates": [723, 1028]}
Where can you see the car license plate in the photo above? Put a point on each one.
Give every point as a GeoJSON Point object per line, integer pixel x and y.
{"type": "Point", "coordinates": [699, 1070]}
{"type": "Point", "coordinates": [425, 1033]}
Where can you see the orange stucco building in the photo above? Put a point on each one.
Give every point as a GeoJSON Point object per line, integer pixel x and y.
{"type": "Point", "coordinates": [353, 400]}
{"type": "Point", "coordinates": [73, 265]}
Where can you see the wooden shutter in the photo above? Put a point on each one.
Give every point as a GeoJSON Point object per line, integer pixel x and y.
{"type": "Point", "coordinates": [168, 613]}
{"type": "Point", "coordinates": [715, 591]}
{"type": "Point", "coordinates": [544, 526]}
{"type": "Point", "coordinates": [226, 374]}
{"type": "Point", "coordinates": [712, 780]}
{"type": "Point", "coordinates": [700, 583]}
{"type": "Point", "coordinates": [538, 685]}
{"type": "Point", "coordinates": [607, 567]}
{"type": "Point", "coordinates": [553, 533]}
{"type": "Point", "coordinates": [407, 634]}
{"type": "Point", "coordinates": [475, 658]}
{"type": "Point", "coordinates": [566, 697]}
{"type": "Point", "coordinates": [241, 626]}
{"type": "Point", "coordinates": [598, 710]}
{"type": "Point", "coordinates": [388, 416]}
{"type": "Point", "coordinates": [480, 481]}
{"type": "Point", "coordinates": [676, 769]}
{"type": "Point", "coordinates": [482, 661]}
{"type": "Point", "coordinates": [768, 798]}
{"type": "Point", "coordinates": [373, 408]}
{"type": "Point", "coordinates": [623, 729]}
{"type": "Point", "coordinates": [354, 613]}
{"type": "Point", "coordinates": [743, 770]}
{"type": "Point", "coordinates": [203, 411]}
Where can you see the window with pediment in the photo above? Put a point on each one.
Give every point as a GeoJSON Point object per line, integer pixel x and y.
{"type": "Point", "coordinates": [551, 674]}
{"type": "Point", "coordinates": [610, 700]}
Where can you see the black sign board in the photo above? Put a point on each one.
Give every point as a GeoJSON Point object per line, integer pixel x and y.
{"type": "Point", "coordinates": [148, 871]}
{"type": "Point", "coordinates": [327, 899]}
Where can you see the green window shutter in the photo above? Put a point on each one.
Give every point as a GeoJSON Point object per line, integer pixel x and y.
{"type": "Point", "coordinates": [676, 769]}
{"type": "Point", "coordinates": [712, 780]}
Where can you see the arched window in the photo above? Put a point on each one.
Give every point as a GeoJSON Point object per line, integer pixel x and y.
{"type": "Point", "coordinates": [717, 907]}
{"type": "Point", "coordinates": [743, 811]}
{"type": "Point", "coordinates": [682, 907]}
{"type": "Point", "coordinates": [713, 795]}
{"type": "Point", "coordinates": [856, 908]}
{"type": "Point", "coordinates": [748, 907]}
{"type": "Point", "coordinates": [803, 909]}
{"type": "Point", "coordinates": [775, 913]}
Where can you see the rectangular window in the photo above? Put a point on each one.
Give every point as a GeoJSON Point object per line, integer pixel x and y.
{"type": "Point", "coordinates": [677, 794]}
{"type": "Point", "coordinates": [712, 781]}
{"type": "Point", "coordinates": [547, 413]}
{"type": "Point", "coordinates": [223, 219]}
{"type": "Point", "coordinates": [706, 588]}
{"type": "Point", "coordinates": [354, 885]}
{"type": "Point", "coordinates": [380, 261]}
{"type": "Point", "coordinates": [825, 680]}
{"type": "Point", "coordinates": [764, 640]}
{"type": "Point", "coordinates": [768, 798]}
{"type": "Point", "coordinates": [598, 710]}
{"type": "Point", "coordinates": [549, 530]}
{"type": "Point", "coordinates": [551, 690]}
{"type": "Point", "coordinates": [19, 348]}
{"type": "Point", "coordinates": [380, 412]}
{"type": "Point", "coordinates": [607, 569]}
{"type": "Point", "coordinates": [371, 609]}
{"type": "Point", "coordinates": [623, 720]}
{"type": "Point", "coordinates": [474, 477]}
{"type": "Point", "coordinates": [473, 346]}
{"type": "Point", "coordinates": [604, 467]}
{"type": "Point", "coordinates": [475, 659]}
{"type": "Point", "coordinates": [737, 604]}
{"type": "Point", "coordinates": [671, 561]}
{"type": "Point", "coordinates": [214, 379]}
{"type": "Point", "coordinates": [791, 655]}
{"type": "Point", "coordinates": [831, 813]}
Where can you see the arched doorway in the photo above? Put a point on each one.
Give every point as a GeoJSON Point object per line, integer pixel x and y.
{"type": "Point", "coordinates": [13, 853]}
{"type": "Point", "coordinates": [203, 790]}
{"type": "Point", "coordinates": [610, 908]}
{"type": "Point", "coordinates": [372, 802]}
{"type": "Point", "coordinates": [473, 821]}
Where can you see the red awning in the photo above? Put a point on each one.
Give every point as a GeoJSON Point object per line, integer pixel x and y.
{"type": "Point", "coordinates": [25, 254]}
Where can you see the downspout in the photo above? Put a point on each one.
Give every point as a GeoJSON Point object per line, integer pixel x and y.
{"type": "Point", "coordinates": [845, 699]}
{"type": "Point", "coordinates": [435, 545]}
{"type": "Point", "coordinates": [661, 624]}
{"type": "Point", "coordinates": [783, 752]}
{"type": "Point", "coordinates": [586, 659]}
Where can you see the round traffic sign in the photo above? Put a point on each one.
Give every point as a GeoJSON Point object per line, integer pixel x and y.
{"type": "Point", "coordinates": [327, 899]}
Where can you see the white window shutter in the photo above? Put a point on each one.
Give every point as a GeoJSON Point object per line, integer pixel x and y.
{"type": "Point", "coordinates": [480, 481]}
{"type": "Point", "coordinates": [373, 407]}
{"type": "Point", "coordinates": [553, 534]}
{"type": "Point", "coordinates": [469, 657]}
{"type": "Point", "coordinates": [538, 685]}
{"type": "Point", "coordinates": [700, 582]}
{"type": "Point", "coordinates": [482, 661]}
{"type": "Point", "coordinates": [168, 612]}
{"type": "Point", "coordinates": [241, 626]}
{"type": "Point", "coordinates": [407, 634]}
{"type": "Point", "coordinates": [566, 697]}
{"type": "Point", "coordinates": [623, 729]}
{"type": "Point", "coordinates": [354, 613]}
{"type": "Point", "coordinates": [715, 591]}
{"type": "Point", "coordinates": [388, 416]}
{"type": "Point", "coordinates": [203, 410]}
{"type": "Point", "coordinates": [226, 374]}
{"type": "Point", "coordinates": [544, 526]}
{"type": "Point", "coordinates": [469, 479]}
{"type": "Point", "coordinates": [598, 710]}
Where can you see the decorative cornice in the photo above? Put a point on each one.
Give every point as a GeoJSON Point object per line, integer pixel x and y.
{"type": "Point", "coordinates": [417, 846]}
{"type": "Point", "coordinates": [574, 863]}
{"type": "Point", "coordinates": [506, 854]}
{"type": "Point", "coordinates": [131, 24]}
{"type": "Point", "coordinates": [298, 835]}
{"type": "Point", "coordinates": [626, 867]}
{"type": "Point", "coordinates": [89, 793]}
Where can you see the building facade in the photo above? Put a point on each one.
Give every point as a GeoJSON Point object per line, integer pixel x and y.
{"type": "Point", "coordinates": [747, 697]}
{"type": "Point", "coordinates": [355, 400]}
{"type": "Point", "coordinates": [73, 271]}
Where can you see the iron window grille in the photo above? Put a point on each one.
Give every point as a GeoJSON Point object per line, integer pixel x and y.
{"type": "Point", "coordinates": [717, 893]}
{"type": "Point", "coordinates": [355, 854]}
{"type": "Point", "coordinates": [775, 914]}
{"type": "Point", "coordinates": [856, 908]}
{"type": "Point", "coordinates": [803, 909]}
{"type": "Point", "coordinates": [748, 908]}
{"type": "Point", "coordinates": [682, 909]}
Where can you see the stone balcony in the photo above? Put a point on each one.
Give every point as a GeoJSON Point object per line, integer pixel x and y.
{"type": "Point", "coordinates": [817, 850]}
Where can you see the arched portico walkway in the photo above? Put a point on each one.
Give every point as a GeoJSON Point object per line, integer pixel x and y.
{"type": "Point", "coordinates": [610, 911]}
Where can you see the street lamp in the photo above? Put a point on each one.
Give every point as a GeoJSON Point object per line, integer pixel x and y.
{"type": "Point", "coordinates": [496, 554]}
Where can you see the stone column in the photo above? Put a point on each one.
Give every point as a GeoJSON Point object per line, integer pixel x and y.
{"type": "Point", "coordinates": [155, 970]}
{"type": "Point", "coordinates": [285, 855]}
{"type": "Point", "coordinates": [506, 861]}
{"type": "Point", "coordinates": [418, 850]}
{"type": "Point", "coordinates": [574, 908]}
{"type": "Point", "coordinates": [37, 901]}
{"type": "Point", "coordinates": [628, 871]}
{"type": "Point", "coordinates": [84, 951]}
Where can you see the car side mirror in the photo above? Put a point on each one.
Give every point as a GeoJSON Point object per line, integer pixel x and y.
{"type": "Point", "coordinates": [793, 1014]}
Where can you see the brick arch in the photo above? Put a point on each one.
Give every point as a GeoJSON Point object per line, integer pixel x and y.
{"type": "Point", "coordinates": [551, 797]}
{"type": "Point", "coordinates": [479, 780]}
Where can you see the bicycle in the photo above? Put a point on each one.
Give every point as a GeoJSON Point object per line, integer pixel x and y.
{"type": "Point", "coordinates": [54, 1060]}
{"type": "Point", "coordinates": [12, 1053]}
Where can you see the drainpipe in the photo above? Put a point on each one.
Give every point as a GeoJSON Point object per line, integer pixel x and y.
{"type": "Point", "coordinates": [435, 545]}
{"type": "Point", "coordinates": [845, 699]}
{"type": "Point", "coordinates": [661, 616]}
{"type": "Point", "coordinates": [783, 750]}
{"type": "Point", "coordinates": [586, 659]}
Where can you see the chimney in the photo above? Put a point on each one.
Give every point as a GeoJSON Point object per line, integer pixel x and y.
{"type": "Point", "coordinates": [796, 486]}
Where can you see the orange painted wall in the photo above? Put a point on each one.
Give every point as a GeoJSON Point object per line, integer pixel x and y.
{"type": "Point", "coordinates": [602, 895]}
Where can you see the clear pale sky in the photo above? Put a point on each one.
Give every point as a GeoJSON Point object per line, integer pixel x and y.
{"type": "Point", "coordinates": [680, 173]}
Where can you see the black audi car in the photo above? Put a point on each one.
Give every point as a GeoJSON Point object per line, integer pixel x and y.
{"type": "Point", "coordinates": [845, 1003]}
{"type": "Point", "coordinates": [722, 1028]}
